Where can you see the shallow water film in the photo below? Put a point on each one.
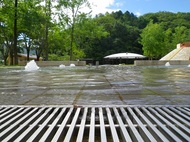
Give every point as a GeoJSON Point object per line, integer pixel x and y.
{"type": "Point", "coordinates": [103, 85]}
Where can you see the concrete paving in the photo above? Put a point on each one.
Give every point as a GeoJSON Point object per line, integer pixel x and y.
{"type": "Point", "coordinates": [103, 85]}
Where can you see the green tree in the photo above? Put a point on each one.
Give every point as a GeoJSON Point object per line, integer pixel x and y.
{"type": "Point", "coordinates": [33, 22]}
{"type": "Point", "coordinates": [104, 46]}
{"type": "Point", "coordinates": [6, 30]}
{"type": "Point", "coordinates": [175, 25]}
{"type": "Point", "coordinates": [70, 11]}
{"type": "Point", "coordinates": [87, 32]}
{"type": "Point", "coordinates": [168, 41]}
{"type": "Point", "coordinates": [152, 39]}
{"type": "Point", "coordinates": [58, 43]}
{"type": "Point", "coordinates": [123, 35]}
{"type": "Point", "coordinates": [181, 34]}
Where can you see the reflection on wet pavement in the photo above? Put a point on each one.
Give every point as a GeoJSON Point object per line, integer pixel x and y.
{"type": "Point", "coordinates": [105, 85]}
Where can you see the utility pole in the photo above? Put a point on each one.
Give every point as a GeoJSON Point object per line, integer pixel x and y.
{"type": "Point", "coordinates": [15, 34]}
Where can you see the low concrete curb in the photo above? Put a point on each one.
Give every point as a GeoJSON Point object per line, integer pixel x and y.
{"type": "Point", "coordinates": [55, 63]}
{"type": "Point", "coordinates": [158, 62]}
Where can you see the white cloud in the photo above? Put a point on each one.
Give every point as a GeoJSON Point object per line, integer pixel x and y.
{"type": "Point", "coordinates": [138, 14]}
{"type": "Point", "coordinates": [119, 4]}
{"type": "Point", "coordinates": [102, 6]}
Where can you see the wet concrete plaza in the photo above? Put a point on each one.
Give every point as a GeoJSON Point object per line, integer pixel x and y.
{"type": "Point", "coordinates": [103, 85]}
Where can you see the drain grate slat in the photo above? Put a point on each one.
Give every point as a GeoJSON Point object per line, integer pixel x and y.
{"type": "Point", "coordinates": [146, 134]}
{"type": "Point", "coordinates": [133, 129]}
{"type": "Point", "coordinates": [170, 125]}
{"type": "Point", "coordinates": [39, 129]}
{"type": "Point", "coordinates": [6, 111]}
{"type": "Point", "coordinates": [125, 134]}
{"type": "Point", "coordinates": [182, 114]}
{"type": "Point", "coordinates": [161, 125]}
{"type": "Point", "coordinates": [71, 128]}
{"type": "Point", "coordinates": [50, 129]}
{"type": "Point", "coordinates": [82, 126]}
{"type": "Point", "coordinates": [15, 122]}
{"type": "Point", "coordinates": [9, 114]}
{"type": "Point", "coordinates": [60, 132]}
{"type": "Point", "coordinates": [112, 126]}
{"type": "Point", "coordinates": [26, 127]}
{"type": "Point", "coordinates": [155, 133]}
{"type": "Point", "coordinates": [102, 126]}
{"type": "Point", "coordinates": [93, 123]}
{"type": "Point", "coordinates": [181, 123]}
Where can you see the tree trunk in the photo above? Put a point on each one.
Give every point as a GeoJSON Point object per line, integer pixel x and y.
{"type": "Point", "coordinates": [72, 39]}
{"type": "Point", "coordinates": [48, 15]}
{"type": "Point", "coordinates": [15, 36]}
{"type": "Point", "coordinates": [28, 54]}
{"type": "Point", "coordinates": [5, 60]}
{"type": "Point", "coordinates": [71, 44]}
{"type": "Point", "coordinates": [38, 58]}
{"type": "Point", "coordinates": [10, 58]}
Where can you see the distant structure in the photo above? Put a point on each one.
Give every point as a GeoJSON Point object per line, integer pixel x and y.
{"type": "Point", "coordinates": [185, 44]}
{"type": "Point", "coordinates": [182, 52]}
{"type": "Point", "coordinates": [23, 57]}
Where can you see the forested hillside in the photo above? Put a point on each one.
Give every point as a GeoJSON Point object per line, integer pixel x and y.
{"type": "Point", "coordinates": [54, 34]}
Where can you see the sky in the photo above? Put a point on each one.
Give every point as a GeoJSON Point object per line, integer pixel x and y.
{"type": "Point", "coordinates": [139, 7]}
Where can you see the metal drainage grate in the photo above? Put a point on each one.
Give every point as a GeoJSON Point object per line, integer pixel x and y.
{"type": "Point", "coordinates": [117, 123]}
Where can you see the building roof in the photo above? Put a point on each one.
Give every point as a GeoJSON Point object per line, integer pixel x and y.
{"type": "Point", "coordinates": [182, 52]}
{"type": "Point", "coordinates": [125, 56]}
{"type": "Point", "coordinates": [30, 56]}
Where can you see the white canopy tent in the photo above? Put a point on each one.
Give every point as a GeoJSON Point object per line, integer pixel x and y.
{"type": "Point", "coordinates": [125, 56]}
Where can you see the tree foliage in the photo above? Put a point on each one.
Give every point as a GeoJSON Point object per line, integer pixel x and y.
{"type": "Point", "coordinates": [174, 30]}
{"type": "Point", "coordinates": [153, 40]}
{"type": "Point", "coordinates": [65, 32]}
{"type": "Point", "coordinates": [71, 14]}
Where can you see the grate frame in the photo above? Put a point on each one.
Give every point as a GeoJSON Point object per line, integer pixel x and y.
{"type": "Point", "coordinates": [95, 123]}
